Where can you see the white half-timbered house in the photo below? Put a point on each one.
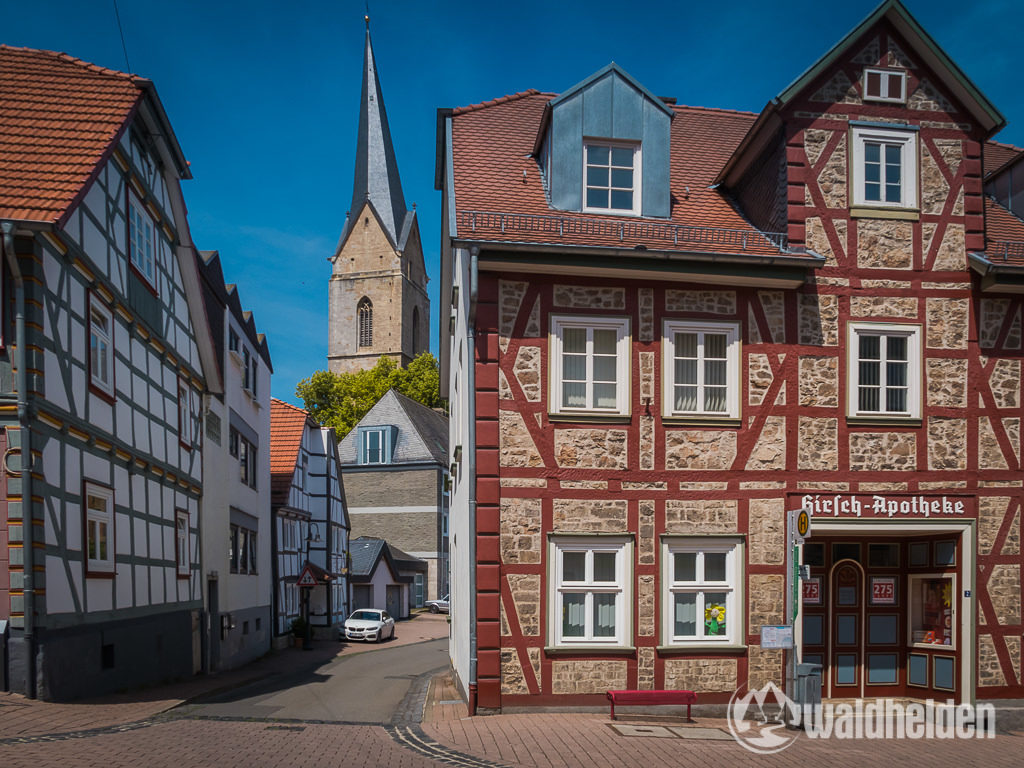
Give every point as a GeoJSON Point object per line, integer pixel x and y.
{"type": "Point", "coordinates": [311, 523]}
{"type": "Point", "coordinates": [105, 356]}
{"type": "Point", "coordinates": [235, 521]}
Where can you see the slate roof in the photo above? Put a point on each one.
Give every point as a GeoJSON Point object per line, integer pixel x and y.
{"type": "Point", "coordinates": [367, 551]}
{"type": "Point", "coordinates": [226, 295]}
{"type": "Point", "coordinates": [376, 166]}
{"type": "Point", "coordinates": [494, 172]}
{"type": "Point", "coordinates": [287, 424]}
{"type": "Point", "coordinates": [422, 431]}
{"type": "Point", "coordinates": [431, 426]}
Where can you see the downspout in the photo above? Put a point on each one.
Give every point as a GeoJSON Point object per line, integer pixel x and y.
{"type": "Point", "coordinates": [474, 254]}
{"type": "Point", "coordinates": [27, 519]}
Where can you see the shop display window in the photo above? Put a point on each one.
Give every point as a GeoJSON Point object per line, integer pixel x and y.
{"type": "Point", "coordinates": [882, 668]}
{"type": "Point", "coordinates": [917, 669]}
{"type": "Point", "coordinates": [944, 668]}
{"type": "Point", "coordinates": [846, 551]}
{"type": "Point", "coordinates": [814, 554]}
{"type": "Point", "coordinates": [883, 555]}
{"type": "Point", "coordinates": [945, 554]}
{"type": "Point", "coordinates": [883, 629]}
{"type": "Point", "coordinates": [919, 554]}
{"type": "Point", "coordinates": [932, 613]}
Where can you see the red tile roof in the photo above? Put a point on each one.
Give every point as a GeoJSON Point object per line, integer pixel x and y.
{"type": "Point", "coordinates": [996, 155]}
{"type": "Point", "coordinates": [61, 115]}
{"type": "Point", "coordinates": [1004, 234]}
{"type": "Point", "coordinates": [494, 172]}
{"type": "Point", "coordinates": [287, 424]}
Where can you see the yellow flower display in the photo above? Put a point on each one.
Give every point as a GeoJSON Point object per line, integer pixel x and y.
{"type": "Point", "coordinates": [714, 620]}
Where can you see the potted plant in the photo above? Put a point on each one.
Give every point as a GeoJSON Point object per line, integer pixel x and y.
{"type": "Point", "coordinates": [299, 630]}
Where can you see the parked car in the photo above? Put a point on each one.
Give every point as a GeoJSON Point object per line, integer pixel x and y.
{"type": "Point", "coordinates": [438, 606]}
{"type": "Point", "coordinates": [369, 624]}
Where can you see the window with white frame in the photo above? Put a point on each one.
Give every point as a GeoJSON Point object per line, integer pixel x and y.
{"type": "Point", "coordinates": [884, 167]}
{"type": "Point", "coordinates": [101, 348]}
{"type": "Point", "coordinates": [375, 446]}
{"type": "Point", "coordinates": [884, 370]}
{"type": "Point", "coordinates": [590, 597]}
{"type": "Point", "coordinates": [99, 529]}
{"type": "Point", "coordinates": [611, 173]}
{"type": "Point", "coordinates": [589, 365]}
{"type": "Point", "coordinates": [703, 578]}
{"type": "Point", "coordinates": [701, 368]}
{"type": "Point", "coordinates": [142, 239]}
{"type": "Point", "coordinates": [885, 85]}
{"type": "Point", "coordinates": [181, 552]}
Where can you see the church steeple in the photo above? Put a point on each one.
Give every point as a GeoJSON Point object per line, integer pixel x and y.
{"type": "Point", "coordinates": [378, 288]}
{"type": "Point", "coordinates": [376, 168]}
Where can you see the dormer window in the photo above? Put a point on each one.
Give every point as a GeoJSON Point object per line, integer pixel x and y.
{"type": "Point", "coordinates": [611, 177]}
{"type": "Point", "coordinates": [885, 85]}
{"type": "Point", "coordinates": [377, 444]}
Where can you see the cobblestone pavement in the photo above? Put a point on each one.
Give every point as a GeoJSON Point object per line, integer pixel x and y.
{"type": "Point", "coordinates": [430, 728]}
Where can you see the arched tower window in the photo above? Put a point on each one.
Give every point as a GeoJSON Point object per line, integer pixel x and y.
{"type": "Point", "coordinates": [415, 329]}
{"type": "Point", "coordinates": [364, 311]}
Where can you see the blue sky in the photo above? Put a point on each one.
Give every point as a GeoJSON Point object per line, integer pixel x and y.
{"type": "Point", "coordinates": [263, 96]}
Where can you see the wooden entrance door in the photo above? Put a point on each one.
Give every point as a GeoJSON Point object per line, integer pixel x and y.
{"type": "Point", "coordinates": [846, 630]}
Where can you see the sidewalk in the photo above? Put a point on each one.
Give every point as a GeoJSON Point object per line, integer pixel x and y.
{"type": "Point", "coordinates": [22, 717]}
{"type": "Point", "coordinates": [565, 740]}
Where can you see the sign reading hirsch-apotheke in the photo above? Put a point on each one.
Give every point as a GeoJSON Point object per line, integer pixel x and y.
{"type": "Point", "coordinates": [851, 505]}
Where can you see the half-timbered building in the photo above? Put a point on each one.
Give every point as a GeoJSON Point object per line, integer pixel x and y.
{"type": "Point", "coordinates": [310, 522]}
{"type": "Point", "coordinates": [670, 325]}
{"type": "Point", "coordinates": [105, 356]}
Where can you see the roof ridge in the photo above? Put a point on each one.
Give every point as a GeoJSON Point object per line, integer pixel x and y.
{"type": "Point", "coordinates": [289, 405]}
{"type": "Point", "coordinates": [725, 110]}
{"type": "Point", "coordinates": [64, 56]}
{"type": "Point", "coordinates": [1003, 144]}
{"type": "Point", "coordinates": [500, 100]}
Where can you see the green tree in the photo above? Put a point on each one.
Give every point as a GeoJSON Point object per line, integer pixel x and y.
{"type": "Point", "coordinates": [340, 400]}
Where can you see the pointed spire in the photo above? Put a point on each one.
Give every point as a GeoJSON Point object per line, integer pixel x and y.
{"type": "Point", "coordinates": [376, 169]}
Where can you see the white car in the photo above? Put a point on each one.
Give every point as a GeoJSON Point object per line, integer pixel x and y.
{"type": "Point", "coordinates": [438, 606]}
{"type": "Point", "coordinates": [369, 624]}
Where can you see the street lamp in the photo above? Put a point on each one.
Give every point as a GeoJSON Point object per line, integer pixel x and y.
{"type": "Point", "coordinates": [312, 535]}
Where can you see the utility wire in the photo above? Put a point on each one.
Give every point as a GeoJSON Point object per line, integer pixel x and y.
{"type": "Point", "coordinates": [120, 29]}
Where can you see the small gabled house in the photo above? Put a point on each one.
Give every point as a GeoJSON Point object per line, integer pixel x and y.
{"type": "Point", "coordinates": [395, 467]}
{"type": "Point", "coordinates": [310, 521]}
{"type": "Point", "coordinates": [105, 353]}
{"type": "Point", "coordinates": [235, 521]}
{"type": "Point", "coordinates": [384, 576]}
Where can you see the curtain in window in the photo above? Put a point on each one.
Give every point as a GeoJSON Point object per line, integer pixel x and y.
{"type": "Point", "coordinates": [573, 615]}
{"type": "Point", "coordinates": [604, 615]}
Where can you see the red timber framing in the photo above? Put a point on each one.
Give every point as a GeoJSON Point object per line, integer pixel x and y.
{"type": "Point", "coordinates": [644, 476]}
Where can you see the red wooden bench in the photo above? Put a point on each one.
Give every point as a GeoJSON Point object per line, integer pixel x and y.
{"type": "Point", "coordinates": [652, 698]}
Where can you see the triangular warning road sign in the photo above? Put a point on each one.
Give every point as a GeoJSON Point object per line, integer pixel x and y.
{"type": "Point", "coordinates": [306, 578]}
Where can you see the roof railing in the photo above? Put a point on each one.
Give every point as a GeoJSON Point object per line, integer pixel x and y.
{"type": "Point", "coordinates": [1007, 249]}
{"type": "Point", "coordinates": [623, 231]}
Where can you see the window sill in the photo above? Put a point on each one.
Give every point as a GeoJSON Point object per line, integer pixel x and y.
{"type": "Point", "coordinates": [556, 650]}
{"type": "Point", "coordinates": [884, 421]}
{"type": "Point", "coordinates": [101, 393]}
{"type": "Point", "coordinates": [100, 574]}
{"type": "Point", "coordinates": [702, 421]}
{"type": "Point", "coordinates": [868, 212]}
{"type": "Point", "coordinates": [701, 648]}
{"type": "Point", "coordinates": [592, 418]}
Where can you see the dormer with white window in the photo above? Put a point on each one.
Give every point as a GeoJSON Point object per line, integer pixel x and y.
{"type": "Point", "coordinates": [603, 148]}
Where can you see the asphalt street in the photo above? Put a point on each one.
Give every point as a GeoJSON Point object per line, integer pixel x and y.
{"type": "Point", "coordinates": [364, 688]}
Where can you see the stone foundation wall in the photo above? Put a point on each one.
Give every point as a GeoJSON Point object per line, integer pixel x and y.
{"type": "Point", "coordinates": [587, 676]}
{"type": "Point", "coordinates": [701, 675]}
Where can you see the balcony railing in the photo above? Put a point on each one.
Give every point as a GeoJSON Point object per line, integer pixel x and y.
{"type": "Point", "coordinates": [635, 232]}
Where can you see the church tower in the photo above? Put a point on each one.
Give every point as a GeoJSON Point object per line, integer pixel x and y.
{"type": "Point", "coordinates": [378, 288]}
